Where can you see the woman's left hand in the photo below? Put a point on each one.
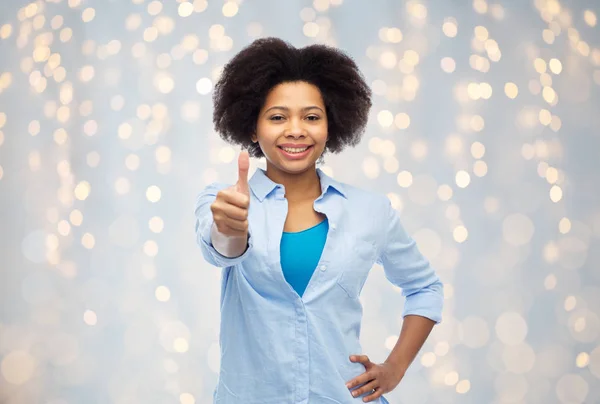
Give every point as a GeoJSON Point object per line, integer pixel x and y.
{"type": "Point", "coordinates": [382, 378]}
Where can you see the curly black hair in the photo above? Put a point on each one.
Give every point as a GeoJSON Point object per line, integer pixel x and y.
{"type": "Point", "coordinates": [247, 79]}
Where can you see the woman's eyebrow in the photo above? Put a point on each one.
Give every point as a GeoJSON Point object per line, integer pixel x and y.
{"type": "Point", "coordinates": [287, 109]}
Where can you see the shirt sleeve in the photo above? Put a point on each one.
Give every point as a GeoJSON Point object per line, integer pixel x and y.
{"type": "Point", "coordinates": [204, 222]}
{"type": "Point", "coordinates": [408, 269]}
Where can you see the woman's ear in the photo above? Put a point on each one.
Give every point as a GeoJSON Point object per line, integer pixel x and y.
{"type": "Point", "coordinates": [254, 138]}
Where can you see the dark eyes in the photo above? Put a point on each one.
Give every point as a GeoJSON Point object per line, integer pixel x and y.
{"type": "Point", "coordinates": [280, 118]}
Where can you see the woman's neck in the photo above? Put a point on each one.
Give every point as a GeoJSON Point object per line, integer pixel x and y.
{"type": "Point", "coordinates": [298, 186]}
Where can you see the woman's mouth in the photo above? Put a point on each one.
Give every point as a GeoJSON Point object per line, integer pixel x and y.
{"type": "Point", "coordinates": [295, 153]}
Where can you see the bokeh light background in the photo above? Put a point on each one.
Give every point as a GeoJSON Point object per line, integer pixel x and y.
{"type": "Point", "coordinates": [485, 134]}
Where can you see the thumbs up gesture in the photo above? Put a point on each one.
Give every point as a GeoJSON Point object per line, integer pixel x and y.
{"type": "Point", "coordinates": [230, 208]}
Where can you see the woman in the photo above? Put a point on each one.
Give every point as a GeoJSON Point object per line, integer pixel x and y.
{"type": "Point", "coordinates": [296, 245]}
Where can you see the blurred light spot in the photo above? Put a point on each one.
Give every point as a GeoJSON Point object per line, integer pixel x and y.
{"type": "Point", "coordinates": [570, 303]}
{"type": "Point", "coordinates": [448, 65]}
{"type": "Point", "coordinates": [122, 186]}
{"type": "Point", "coordinates": [518, 358]}
{"type": "Point", "coordinates": [402, 120]}
{"type": "Point", "coordinates": [480, 6]}
{"type": "Point", "coordinates": [388, 59]}
{"type": "Point", "coordinates": [463, 387]}
{"type": "Point", "coordinates": [555, 66]}
{"type": "Point", "coordinates": [124, 131]}
{"type": "Point", "coordinates": [564, 226]}
{"type": "Point", "coordinates": [90, 128]}
{"type": "Point", "coordinates": [539, 65]}
{"type": "Point", "coordinates": [477, 123]}
{"type": "Point", "coordinates": [556, 193]}
{"type": "Point", "coordinates": [76, 217]}
{"type": "Point", "coordinates": [549, 95]}
{"type": "Point", "coordinates": [151, 248]}
{"type": "Point", "coordinates": [88, 14]}
{"type": "Point", "coordinates": [444, 192]}
{"type": "Point", "coordinates": [187, 398]}
{"type": "Point", "coordinates": [454, 145]}
{"type": "Point", "coordinates": [162, 293]}
{"type": "Point", "coordinates": [150, 34]}
{"type": "Point", "coordinates": [545, 117]}
{"type": "Point", "coordinates": [153, 193]}
{"type": "Point", "coordinates": [474, 91]}
{"type": "Point", "coordinates": [204, 86]}
{"type": "Point", "coordinates": [88, 241]}
{"type": "Point", "coordinates": [550, 282]}
{"type": "Point", "coordinates": [404, 179]}
{"type": "Point", "coordinates": [582, 360]}
{"type": "Point", "coordinates": [462, 179]}
{"type": "Point", "coordinates": [154, 7]}
{"type": "Point", "coordinates": [517, 229]}
{"type": "Point", "coordinates": [572, 388]}
{"type": "Point", "coordinates": [308, 14]}
{"type": "Point", "coordinates": [460, 234]}
{"type": "Point", "coordinates": [480, 168]}
{"type": "Point", "coordinates": [393, 35]}
{"type": "Point", "coordinates": [477, 150]}
{"type": "Point", "coordinates": [390, 342]}
{"type": "Point", "coordinates": [185, 9]}
{"type": "Point", "coordinates": [254, 29]}
{"type": "Point", "coordinates": [90, 317]}
{"type": "Point", "coordinates": [511, 328]}
{"type": "Point", "coordinates": [451, 378]}
{"type": "Point", "coordinates": [82, 190]}
{"type": "Point", "coordinates": [133, 22]}
{"type": "Point", "coordinates": [17, 367]}
{"type": "Point", "coordinates": [385, 118]}
{"type": "Point", "coordinates": [448, 288]}
{"type": "Point", "coordinates": [5, 31]}
{"type": "Point", "coordinates": [428, 359]}
{"type": "Point", "coordinates": [230, 9]}
{"type": "Point", "coordinates": [590, 18]}
{"type": "Point", "coordinates": [481, 33]}
{"type": "Point", "coordinates": [164, 82]}
{"type": "Point", "coordinates": [93, 159]}
{"type": "Point", "coordinates": [450, 27]}
{"type": "Point", "coordinates": [310, 29]}
{"type": "Point", "coordinates": [132, 162]}
{"type": "Point", "coordinates": [180, 345]}
{"type": "Point", "coordinates": [418, 150]}
{"type": "Point", "coordinates": [156, 224]}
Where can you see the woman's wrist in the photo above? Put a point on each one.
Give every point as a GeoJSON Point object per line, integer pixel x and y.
{"type": "Point", "coordinates": [227, 246]}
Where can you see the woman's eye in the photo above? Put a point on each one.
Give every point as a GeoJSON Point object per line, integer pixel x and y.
{"type": "Point", "coordinates": [313, 118]}
{"type": "Point", "coordinates": [276, 118]}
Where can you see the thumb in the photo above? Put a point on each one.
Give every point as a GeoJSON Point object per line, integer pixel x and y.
{"type": "Point", "coordinates": [243, 167]}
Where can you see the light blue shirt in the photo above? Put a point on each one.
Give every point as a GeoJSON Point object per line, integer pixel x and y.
{"type": "Point", "coordinates": [300, 254]}
{"type": "Point", "coordinates": [280, 348]}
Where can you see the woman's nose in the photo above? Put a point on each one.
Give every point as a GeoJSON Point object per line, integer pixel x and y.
{"type": "Point", "coordinates": [295, 128]}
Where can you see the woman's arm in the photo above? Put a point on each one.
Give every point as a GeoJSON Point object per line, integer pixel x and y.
{"type": "Point", "coordinates": [415, 330]}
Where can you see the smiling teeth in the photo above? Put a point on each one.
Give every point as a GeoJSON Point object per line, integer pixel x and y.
{"type": "Point", "coordinates": [289, 150]}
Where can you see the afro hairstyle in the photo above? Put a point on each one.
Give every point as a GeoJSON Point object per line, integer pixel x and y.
{"type": "Point", "coordinates": [251, 74]}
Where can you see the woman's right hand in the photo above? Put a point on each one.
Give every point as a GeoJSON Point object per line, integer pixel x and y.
{"type": "Point", "coordinates": [230, 208]}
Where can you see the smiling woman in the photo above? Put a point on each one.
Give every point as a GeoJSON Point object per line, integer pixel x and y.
{"type": "Point", "coordinates": [306, 126]}
{"type": "Point", "coordinates": [295, 244]}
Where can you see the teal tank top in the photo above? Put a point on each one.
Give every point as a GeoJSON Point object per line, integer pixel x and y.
{"type": "Point", "coordinates": [300, 254]}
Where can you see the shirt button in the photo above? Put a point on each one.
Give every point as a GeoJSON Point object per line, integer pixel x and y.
{"type": "Point", "coordinates": [323, 267]}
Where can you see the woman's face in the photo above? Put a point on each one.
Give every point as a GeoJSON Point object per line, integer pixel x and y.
{"type": "Point", "coordinates": [292, 127]}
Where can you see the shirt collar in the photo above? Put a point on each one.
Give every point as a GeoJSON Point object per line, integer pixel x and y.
{"type": "Point", "coordinates": [262, 185]}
